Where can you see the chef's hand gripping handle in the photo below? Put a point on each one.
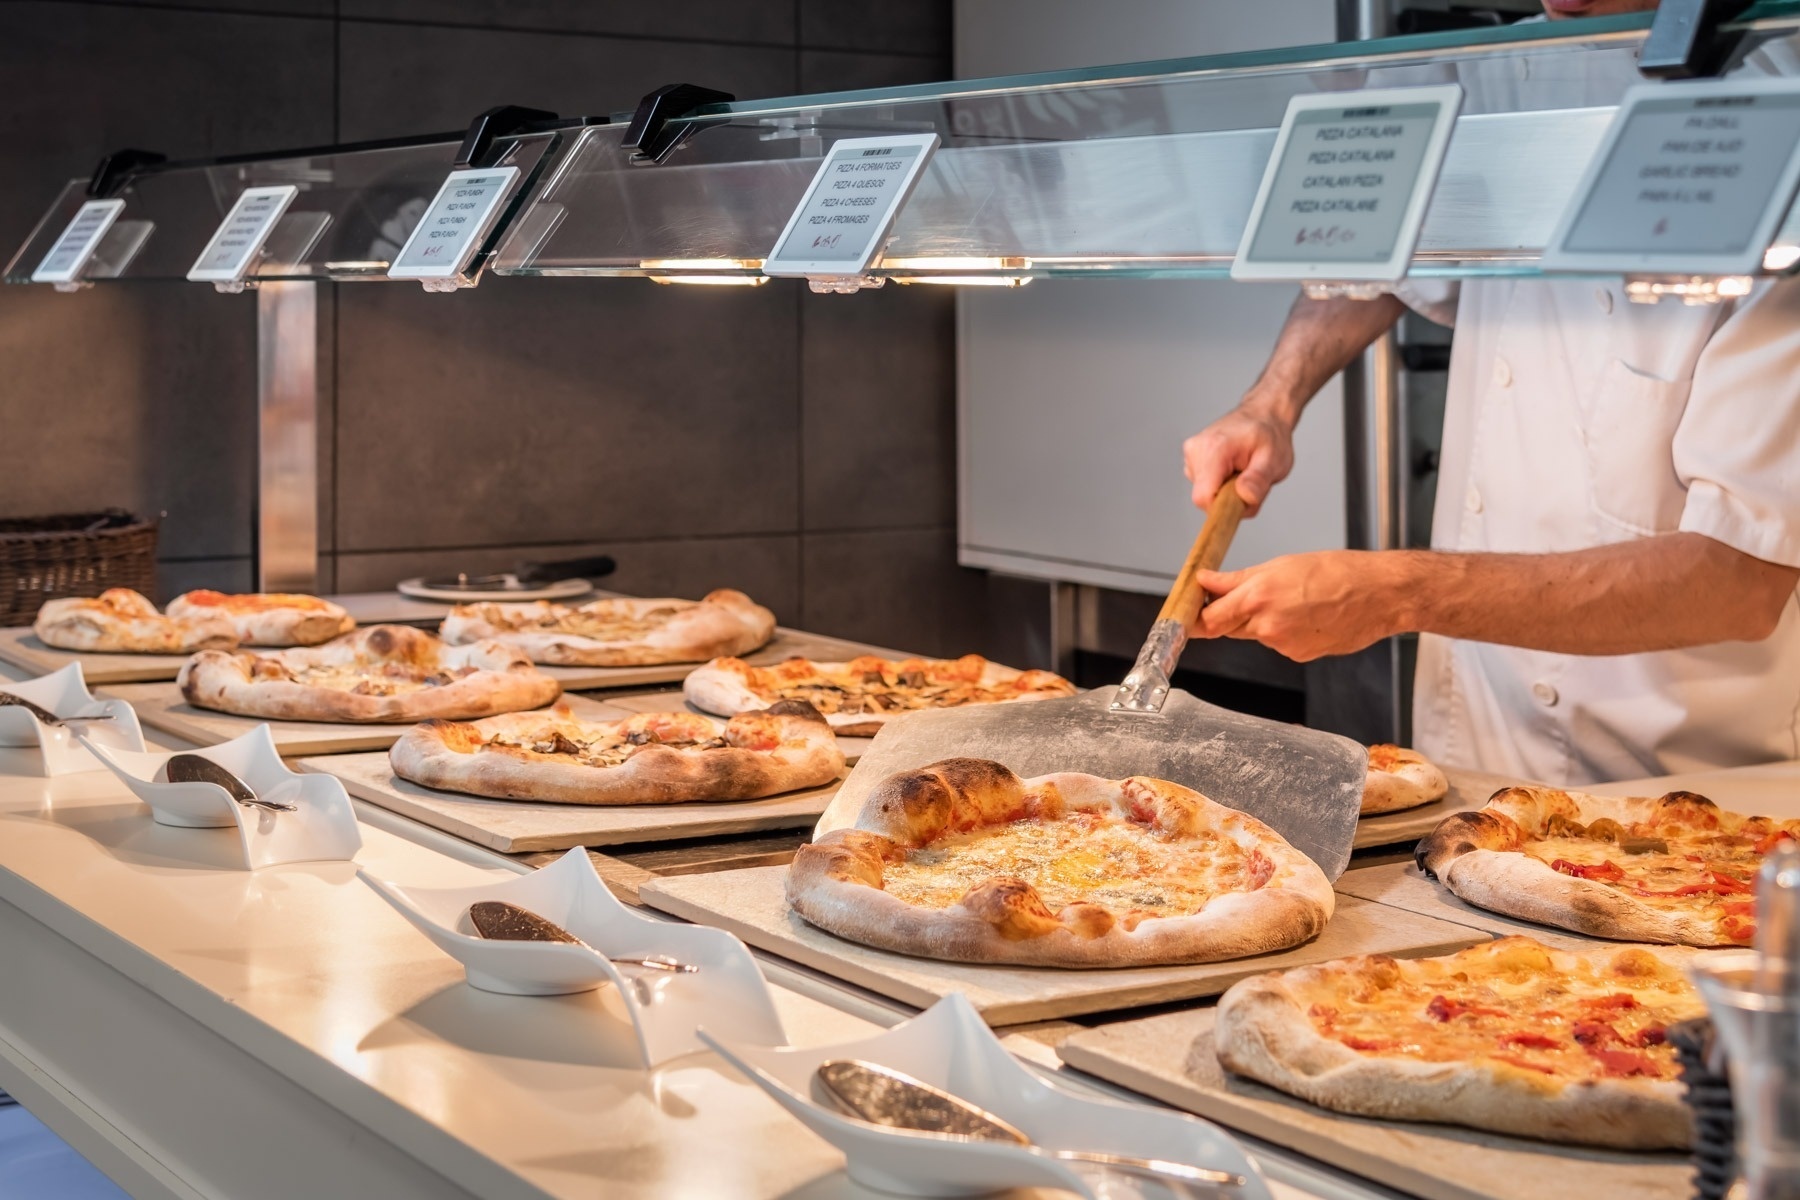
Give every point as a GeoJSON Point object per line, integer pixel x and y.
{"type": "Point", "coordinates": [1145, 689]}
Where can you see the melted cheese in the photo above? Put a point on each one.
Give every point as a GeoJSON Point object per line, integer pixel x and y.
{"type": "Point", "coordinates": [877, 685]}
{"type": "Point", "coordinates": [603, 620]}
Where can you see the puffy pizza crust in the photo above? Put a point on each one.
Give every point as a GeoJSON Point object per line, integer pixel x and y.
{"type": "Point", "coordinates": [723, 687]}
{"type": "Point", "coordinates": [1263, 1031]}
{"type": "Point", "coordinates": [723, 622]}
{"type": "Point", "coordinates": [504, 680]}
{"type": "Point", "coordinates": [450, 755]}
{"type": "Point", "coordinates": [836, 882]}
{"type": "Point", "coordinates": [1476, 855]}
{"type": "Point", "coordinates": [1403, 779]}
{"type": "Point", "coordinates": [121, 621]}
{"type": "Point", "coordinates": [268, 618]}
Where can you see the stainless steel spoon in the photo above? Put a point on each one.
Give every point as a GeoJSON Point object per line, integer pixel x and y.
{"type": "Point", "coordinates": [7, 699]}
{"type": "Point", "coordinates": [499, 921]}
{"type": "Point", "coordinates": [191, 768]}
{"type": "Point", "coordinates": [884, 1096]}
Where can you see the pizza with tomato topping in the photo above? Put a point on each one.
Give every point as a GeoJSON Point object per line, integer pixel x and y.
{"type": "Point", "coordinates": [1400, 778]}
{"type": "Point", "coordinates": [1509, 1036]}
{"type": "Point", "coordinates": [649, 758]}
{"type": "Point", "coordinates": [267, 618]}
{"type": "Point", "coordinates": [619, 631]}
{"type": "Point", "coordinates": [381, 673]}
{"type": "Point", "coordinates": [121, 621]}
{"type": "Point", "coordinates": [963, 860]}
{"type": "Point", "coordinates": [1676, 869]}
{"type": "Point", "coordinates": [857, 697]}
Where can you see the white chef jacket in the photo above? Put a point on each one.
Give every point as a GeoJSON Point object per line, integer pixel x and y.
{"type": "Point", "coordinates": [1574, 419]}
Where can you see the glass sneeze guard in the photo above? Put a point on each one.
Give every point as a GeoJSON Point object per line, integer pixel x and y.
{"type": "Point", "coordinates": [1146, 170]}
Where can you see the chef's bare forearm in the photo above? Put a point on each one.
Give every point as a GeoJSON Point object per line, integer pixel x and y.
{"type": "Point", "coordinates": [1320, 338]}
{"type": "Point", "coordinates": [1658, 593]}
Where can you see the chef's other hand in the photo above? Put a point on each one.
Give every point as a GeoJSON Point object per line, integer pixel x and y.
{"type": "Point", "coordinates": [1250, 440]}
{"type": "Point", "coordinates": [1305, 606]}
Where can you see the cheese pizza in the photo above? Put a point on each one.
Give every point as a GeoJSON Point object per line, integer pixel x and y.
{"type": "Point", "coordinates": [383, 673]}
{"type": "Point", "coordinates": [1509, 1036]}
{"type": "Point", "coordinates": [121, 621]}
{"type": "Point", "coordinates": [858, 696]}
{"type": "Point", "coordinates": [1399, 779]}
{"type": "Point", "coordinates": [1676, 869]}
{"type": "Point", "coordinates": [649, 758]}
{"type": "Point", "coordinates": [618, 632]}
{"type": "Point", "coordinates": [963, 860]}
{"type": "Point", "coordinates": [267, 618]}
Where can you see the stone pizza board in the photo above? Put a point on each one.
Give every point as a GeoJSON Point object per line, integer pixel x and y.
{"type": "Point", "coordinates": [1468, 789]}
{"type": "Point", "coordinates": [786, 644]}
{"type": "Point", "coordinates": [20, 647]}
{"type": "Point", "coordinates": [852, 747]}
{"type": "Point", "coordinates": [517, 826]}
{"type": "Point", "coordinates": [750, 903]}
{"type": "Point", "coordinates": [1171, 1058]}
{"type": "Point", "coordinates": [161, 706]}
{"type": "Point", "coordinates": [1404, 886]}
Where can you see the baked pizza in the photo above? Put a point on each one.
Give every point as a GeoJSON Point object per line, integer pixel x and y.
{"type": "Point", "coordinates": [1509, 1036]}
{"type": "Point", "coordinates": [963, 860]}
{"type": "Point", "coordinates": [268, 618]}
{"type": "Point", "coordinates": [1676, 869]}
{"type": "Point", "coordinates": [649, 758]}
{"type": "Point", "coordinates": [382, 673]}
{"type": "Point", "coordinates": [618, 632]}
{"type": "Point", "coordinates": [1400, 778]}
{"type": "Point", "coordinates": [121, 621]}
{"type": "Point", "coordinates": [858, 696]}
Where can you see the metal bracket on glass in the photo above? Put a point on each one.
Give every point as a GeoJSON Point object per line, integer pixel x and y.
{"type": "Point", "coordinates": [1689, 289]}
{"type": "Point", "coordinates": [649, 137]}
{"type": "Point", "coordinates": [113, 171]}
{"type": "Point", "coordinates": [842, 285]}
{"type": "Point", "coordinates": [1326, 289]}
{"type": "Point", "coordinates": [486, 130]}
{"type": "Point", "coordinates": [1685, 41]}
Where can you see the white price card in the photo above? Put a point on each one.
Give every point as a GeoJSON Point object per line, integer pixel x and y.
{"type": "Point", "coordinates": [1345, 191]}
{"type": "Point", "coordinates": [77, 242]}
{"type": "Point", "coordinates": [241, 234]}
{"type": "Point", "coordinates": [843, 220]}
{"type": "Point", "coordinates": [1691, 178]}
{"type": "Point", "coordinates": [455, 224]}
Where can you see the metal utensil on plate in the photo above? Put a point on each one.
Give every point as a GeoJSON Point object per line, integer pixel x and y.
{"type": "Point", "coordinates": [191, 768]}
{"type": "Point", "coordinates": [884, 1096]}
{"type": "Point", "coordinates": [499, 921]}
{"type": "Point", "coordinates": [526, 576]}
{"type": "Point", "coordinates": [7, 699]}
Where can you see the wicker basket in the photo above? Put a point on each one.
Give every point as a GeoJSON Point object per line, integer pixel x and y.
{"type": "Point", "coordinates": [74, 554]}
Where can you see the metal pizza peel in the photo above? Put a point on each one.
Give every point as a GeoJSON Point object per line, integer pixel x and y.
{"type": "Point", "coordinates": [1305, 784]}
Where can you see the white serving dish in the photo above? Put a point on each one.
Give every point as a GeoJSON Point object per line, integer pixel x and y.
{"type": "Point", "coordinates": [950, 1047]}
{"type": "Point", "coordinates": [323, 829]}
{"type": "Point", "coordinates": [728, 992]}
{"type": "Point", "coordinates": [64, 692]}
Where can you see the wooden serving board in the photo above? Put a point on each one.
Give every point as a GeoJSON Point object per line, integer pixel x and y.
{"type": "Point", "coordinates": [518, 826]}
{"type": "Point", "coordinates": [751, 904]}
{"type": "Point", "coordinates": [1405, 887]}
{"type": "Point", "coordinates": [626, 869]}
{"type": "Point", "coordinates": [1171, 1058]}
{"type": "Point", "coordinates": [20, 647]}
{"type": "Point", "coordinates": [161, 706]}
{"type": "Point", "coordinates": [1468, 789]}
{"type": "Point", "coordinates": [675, 701]}
{"type": "Point", "coordinates": [786, 644]}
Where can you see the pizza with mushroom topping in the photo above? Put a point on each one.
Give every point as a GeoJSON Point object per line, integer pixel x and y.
{"type": "Point", "coordinates": [857, 697]}
{"type": "Point", "coordinates": [619, 631]}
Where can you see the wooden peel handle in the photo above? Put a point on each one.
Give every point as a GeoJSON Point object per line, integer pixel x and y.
{"type": "Point", "coordinates": [1186, 598]}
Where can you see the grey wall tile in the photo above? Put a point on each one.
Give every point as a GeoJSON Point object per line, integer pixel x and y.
{"type": "Point", "coordinates": [220, 574]}
{"type": "Point", "coordinates": [907, 27]}
{"type": "Point", "coordinates": [898, 588]}
{"type": "Point", "coordinates": [846, 70]}
{"type": "Point", "coordinates": [766, 568]}
{"type": "Point", "coordinates": [276, 8]}
{"type": "Point", "coordinates": [408, 79]}
{"type": "Point", "coordinates": [878, 387]}
{"type": "Point", "coordinates": [552, 410]}
{"type": "Point", "coordinates": [703, 20]}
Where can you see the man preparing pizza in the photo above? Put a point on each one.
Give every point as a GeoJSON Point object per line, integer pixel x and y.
{"type": "Point", "coordinates": [1610, 591]}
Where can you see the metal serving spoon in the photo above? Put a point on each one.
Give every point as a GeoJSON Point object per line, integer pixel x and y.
{"type": "Point", "coordinates": [7, 699]}
{"type": "Point", "coordinates": [499, 921]}
{"type": "Point", "coordinates": [884, 1096]}
{"type": "Point", "coordinates": [191, 768]}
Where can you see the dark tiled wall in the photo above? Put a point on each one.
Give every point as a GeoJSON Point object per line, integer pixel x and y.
{"type": "Point", "coordinates": [798, 446]}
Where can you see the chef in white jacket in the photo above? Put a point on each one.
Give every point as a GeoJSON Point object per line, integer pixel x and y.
{"type": "Point", "coordinates": [1610, 591]}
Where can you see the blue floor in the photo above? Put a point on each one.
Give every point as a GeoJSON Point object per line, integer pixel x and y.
{"type": "Point", "coordinates": [35, 1164]}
